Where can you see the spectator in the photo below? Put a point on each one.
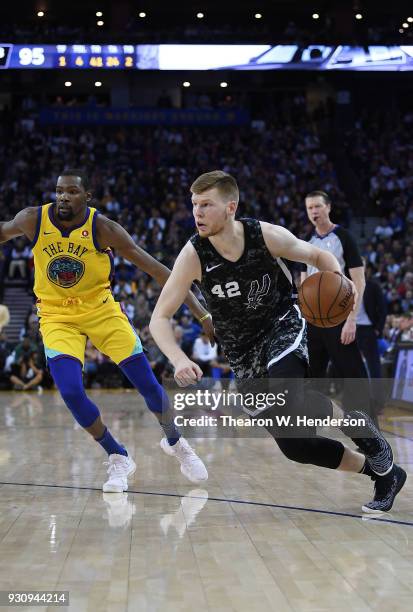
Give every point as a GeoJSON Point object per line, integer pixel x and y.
{"type": "Point", "coordinates": [407, 302]}
{"type": "Point", "coordinates": [26, 373]}
{"type": "Point", "coordinates": [24, 349]}
{"type": "Point", "coordinates": [128, 305]}
{"type": "Point", "coordinates": [142, 311]}
{"type": "Point", "coordinates": [396, 223]}
{"type": "Point", "coordinates": [93, 358]}
{"type": "Point", "coordinates": [122, 290]}
{"type": "Point", "coordinates": [31, 327]}
{"type": "Point", "coordinates": [204, 354]}
{"type": "Point", "coordinates": [190, 332]}
{"type": "Point", "coordinates": [384, 230]}
{"type": "Point", "coordinates": [19, 259]}
{"type": "Point", "coordinates": [221, 371]}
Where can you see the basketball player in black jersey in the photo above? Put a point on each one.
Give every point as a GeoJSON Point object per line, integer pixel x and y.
{"type": "Point", "coordinates": [252, 299]}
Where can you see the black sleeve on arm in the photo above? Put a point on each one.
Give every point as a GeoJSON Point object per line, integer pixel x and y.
{"type": "Point", "coordinates": [351, 251]}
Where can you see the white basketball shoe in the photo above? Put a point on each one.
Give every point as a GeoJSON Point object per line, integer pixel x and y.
{"type": "Point", "coordinates": [192, 467]}
{"type": "Point", "coordinates": [119, 468]}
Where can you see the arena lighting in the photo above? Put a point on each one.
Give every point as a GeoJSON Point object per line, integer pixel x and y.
{"type": "Point", "coordinates": [98, 84]}
{"type": "Point", "coordinates": [100, 23]}
{"type": "Point", "coordinates": [223, 84]}
{"type": "Point", "coordinates": [401, 30]}
{"type": "Point", "coordinates": [68, 83]}
{"type": "Point", "coordinates": [186, 84]}
{"type": "Point", "coordinates": [142, 15]}
{"type": "Point", "coordinates": [358, 16]}
{"type": "Point", "coordinates": [410, 19]}
{"type": "Point", "coordinates": [40, 13]}
{"type": "Point", "coordinates": [405, 25]}
{"type": "Point", "coordinates": [316, 16]}
{"type": "Point", "coordinates": [200, 15]}
{"type": "Point", "coordinates": [99, 14]}
{"type": "Point", "coordinates": [257, 15]}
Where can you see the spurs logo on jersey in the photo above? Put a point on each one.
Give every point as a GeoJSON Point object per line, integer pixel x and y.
{"type": "Point", "coordinates": [257, 292]}
{"type": "Point", "coordinates": [260, 288]}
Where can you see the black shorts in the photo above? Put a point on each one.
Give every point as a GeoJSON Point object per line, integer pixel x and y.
{"type": "Point", "coordinates": [287, 335]}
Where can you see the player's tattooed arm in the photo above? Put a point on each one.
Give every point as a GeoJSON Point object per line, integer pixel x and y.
{"type": "Point", "coordinates": [187, 268]}
{"type": "Point", "coordinates": [111, 234]}
{"type": "Point", "coordinates": [23, 224]}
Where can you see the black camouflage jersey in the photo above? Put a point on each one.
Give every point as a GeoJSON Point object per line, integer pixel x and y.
{"type": "Point", "coordinates": [253, 304]}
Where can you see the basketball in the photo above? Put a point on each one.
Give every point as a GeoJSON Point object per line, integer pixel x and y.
{"type": "Point", "coordinates": [325, 299]}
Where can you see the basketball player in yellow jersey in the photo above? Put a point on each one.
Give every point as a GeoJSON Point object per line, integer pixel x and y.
{"type": "Point", "coordinates": [72, 243]}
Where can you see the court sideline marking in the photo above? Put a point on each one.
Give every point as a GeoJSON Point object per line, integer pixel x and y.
{"type": "Point", "coordinates": [223, 500]}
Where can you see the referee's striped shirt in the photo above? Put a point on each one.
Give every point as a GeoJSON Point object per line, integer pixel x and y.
{"type": "Point", "coordinates": [340, 243]}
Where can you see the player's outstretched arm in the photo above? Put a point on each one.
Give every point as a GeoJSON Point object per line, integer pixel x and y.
{"type": "Point", "coordinates": [111, 234]}
{"type": "Point", "coordinates": [23, 224]}
{"type": "Point", "coordinates": [187, 268]}
{"type": "Point", "coordinates": [282, 243]}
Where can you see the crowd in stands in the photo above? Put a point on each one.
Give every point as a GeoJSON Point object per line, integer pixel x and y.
{"type": "Point", "coordinates": [140, 177]}
{"type": "Point", "coordinates": [380, 148]}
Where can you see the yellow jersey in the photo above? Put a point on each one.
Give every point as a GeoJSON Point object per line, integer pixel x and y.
{"type": "Point", "coordinates": [69, 266]}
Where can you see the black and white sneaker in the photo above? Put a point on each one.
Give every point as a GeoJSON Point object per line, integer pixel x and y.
{"type": "Point", "coordinates": [371, 443]}
{"type": "Point", "coordinates": [385, 490]}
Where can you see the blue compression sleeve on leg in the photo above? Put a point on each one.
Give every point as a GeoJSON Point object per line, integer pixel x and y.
{"type": "Point", "coordinates": [67, 374]}
{"type": "Point", "coordinates": [143, 379]}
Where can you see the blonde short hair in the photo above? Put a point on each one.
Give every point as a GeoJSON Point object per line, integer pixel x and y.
{"type": "Point", "coordinates": [222, 181]}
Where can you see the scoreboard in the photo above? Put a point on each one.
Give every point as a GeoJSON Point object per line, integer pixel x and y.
{"type": "Point", "coordinates": [207, 57]}
{"type": "Point", "coordinates": [67, 56]}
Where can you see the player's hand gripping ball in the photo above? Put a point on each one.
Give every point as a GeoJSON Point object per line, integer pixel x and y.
{"type": "Point", "coordinates": [326, 299]}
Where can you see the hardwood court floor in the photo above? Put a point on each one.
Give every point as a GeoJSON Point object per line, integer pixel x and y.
{"type": "Point", "coordinates": [272, 535]}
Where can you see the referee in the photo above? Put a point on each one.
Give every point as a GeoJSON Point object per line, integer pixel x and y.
{"type": "Point", "coordinates": [337, 344]}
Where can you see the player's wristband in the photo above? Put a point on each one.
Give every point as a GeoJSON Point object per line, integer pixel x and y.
{"type": "Point", "coordinates": [205, 317]}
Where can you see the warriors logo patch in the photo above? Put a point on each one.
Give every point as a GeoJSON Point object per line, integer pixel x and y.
{"type": "Point", "coordinates": [65, 271]}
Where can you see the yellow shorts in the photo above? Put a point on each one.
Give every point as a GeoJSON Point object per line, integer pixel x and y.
{"type": "Point", "coordinates": [66, 329]}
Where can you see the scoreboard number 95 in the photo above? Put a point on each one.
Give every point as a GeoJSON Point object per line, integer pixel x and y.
{"type": "Point", "coordinates": [31, 56]}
